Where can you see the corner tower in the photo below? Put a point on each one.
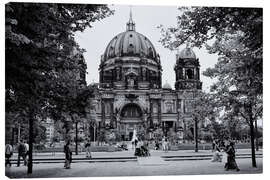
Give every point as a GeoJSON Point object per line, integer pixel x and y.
{"type": "Point", "coordinates": [187, 70]}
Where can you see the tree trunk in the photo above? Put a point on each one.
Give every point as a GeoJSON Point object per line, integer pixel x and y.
{"type": "Point", "coordinates": [31, 140]}
{"type": "Point", "coordinates": [76, 138]}
{"type": "Point", "coordinates": [196, 134]}
{"type": "Point", "coordinates": [256, 136]}
{"type": "Point", "coordinates": [12, 137]}
{"type": "Point", "coordinates": [253, 155]}
{"type": "Point", "coordinates": [19, 132]}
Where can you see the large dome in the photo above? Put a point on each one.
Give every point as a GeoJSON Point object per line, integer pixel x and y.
{"type": "Point", "coordinates": [130, 43]}
{"type": "Point", "coordinates": [130, 61]}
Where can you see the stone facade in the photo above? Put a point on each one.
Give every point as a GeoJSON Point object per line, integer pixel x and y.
{"type": "Point", "coordinates": [130, 93]}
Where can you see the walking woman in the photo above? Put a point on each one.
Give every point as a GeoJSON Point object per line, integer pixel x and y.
{"type": "Point", "coordinates": [216, 153]}
{"type": "Point", "coordinates": [88, 149]}
{"type": "Point", "coordinates": [68, 155]}
{"type": "Point", "coordinates": [231, 163]}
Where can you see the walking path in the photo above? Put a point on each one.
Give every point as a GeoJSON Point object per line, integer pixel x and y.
{"type": "Point", "coordinates": [132, 169]}
{"type": "Point", "coordinates": [151, 160]}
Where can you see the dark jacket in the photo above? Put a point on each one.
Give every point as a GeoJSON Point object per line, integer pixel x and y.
{"type": "Point", "coordinates": [68, 153]}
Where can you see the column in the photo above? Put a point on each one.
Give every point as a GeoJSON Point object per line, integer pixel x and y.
{"type": "Point", "coordinates": [195, 73]}
{"type": "Point", "coordinates": [160, 79]}
{"type": "Point", "coordinates": [159, 111]}
{"type": "Point", "coordinates": [102, 113]}
{"type": "Point", "coordinates": [101, 76]}
{"type": "Point", "coordinates": [111, 114]}
{"type": "Point", "coordinates": [198, 73]}
{"type": "Point", "coordinates": [178, 114]}
{"type": "Point", "coordinates": [151, 110]}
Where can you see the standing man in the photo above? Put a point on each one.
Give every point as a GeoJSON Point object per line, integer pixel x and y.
{"type": "Point", "coordinates": [88, 149]}
{"type": "Point", "coordinates": [21, 152]}
{"type": "Point", "coordinates": [68, 155]}
{"type": "Point", "coordinates": [163, 144]}
{"type": "Point", "coordinates": [26, 146]}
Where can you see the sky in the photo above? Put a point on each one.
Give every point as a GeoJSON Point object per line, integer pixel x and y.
{"type": "Point", "coordinates": [95, 40]}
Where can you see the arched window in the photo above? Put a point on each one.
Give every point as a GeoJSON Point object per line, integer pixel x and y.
{"type": "Point", "coordinates": [190, 74]}
{"type": "Point", "coordinates": [131, 110]}
{"type": "Point", "coordinates": [111, 51]}
{"type": "Point", "coordinates": [169, 107]}
{"type": "Point", "coordinates": [150, 52]}
{"type": "Point", "coordinates": [107, 108]}
{"type": "Point", "coordinates": [130, 49]}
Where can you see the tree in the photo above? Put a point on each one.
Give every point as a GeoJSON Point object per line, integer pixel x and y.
{"type": "Point", "coordinates": [236, 36]}
{"type": "Point", "coordinates": [39, 46]}
{"type": "Point", "coordinates": [203, 108]}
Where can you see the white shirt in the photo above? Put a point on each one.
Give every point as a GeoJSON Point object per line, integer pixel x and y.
{"type": "Point", "coordinates": [26, 146]}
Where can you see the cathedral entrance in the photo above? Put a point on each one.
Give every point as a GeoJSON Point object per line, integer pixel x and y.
{"type": "Point", "coordinates": [131, 119]}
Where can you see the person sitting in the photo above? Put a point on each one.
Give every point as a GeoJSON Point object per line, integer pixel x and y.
{"type": "Point", "coordinates": [138, 150]}
{"type": "Point", "coordinates": [144, 149]}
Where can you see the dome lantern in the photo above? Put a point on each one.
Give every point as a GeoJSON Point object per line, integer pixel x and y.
{"type": "Point", "coordinates": [130, 23]}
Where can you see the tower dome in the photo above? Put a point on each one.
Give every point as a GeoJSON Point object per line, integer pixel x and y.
{"type": "Point", "coordinates": [186, 53]}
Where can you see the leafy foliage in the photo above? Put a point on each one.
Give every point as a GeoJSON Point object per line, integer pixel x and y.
{"type": "Point", "coordinates": [43, 60]}
{"type": "Point", "coordinates": [235, 34]}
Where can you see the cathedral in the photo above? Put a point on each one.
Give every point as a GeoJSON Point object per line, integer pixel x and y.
{"type": "Point", "coordinates": [130, 96]}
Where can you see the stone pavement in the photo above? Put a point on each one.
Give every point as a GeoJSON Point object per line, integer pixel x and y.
{"type": "Point", "coordinates": [132, 169]}
{"type": "Point", "coordinates": [151, 160]}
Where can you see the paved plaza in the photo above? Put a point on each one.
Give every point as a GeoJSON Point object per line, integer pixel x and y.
{"type": "Point", "coordinates": [143, 167]}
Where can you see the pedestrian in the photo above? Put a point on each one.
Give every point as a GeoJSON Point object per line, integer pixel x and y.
{"type": "Point", "coordinates": [8, 154]}
{"type": "Point", "coordinates": [68, 155]}
{"type": "Point", "coordinates": [138, 151]}
{"type": "Point", "coordinates": [88, 149]}
{"type": "Point", "coordinates": [163, 143]}
{"type": "Point", "coordinates": [135, 142]}
{"type": "Point", "coordinates": [166, 145]}
{"type": "Point", "coordinates": [21, 153]}
{"type": "Point", "coordinates": [26, 146]}
{"type": "Point", "coordinates": [231, 163]}
{"type": "Point", "coordinates": [216, 152]}
{"type": "Point", "coordinates": [52, 145]}
{"type": "Point", "coordinates": [145, 149]}
{"type": "Point", "coordinates": [156, 145]}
